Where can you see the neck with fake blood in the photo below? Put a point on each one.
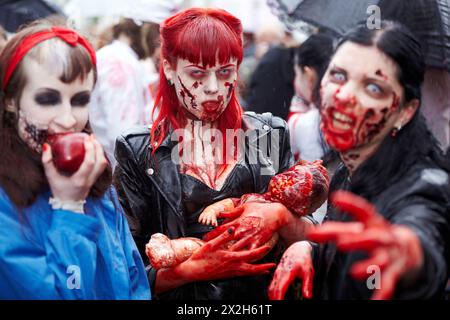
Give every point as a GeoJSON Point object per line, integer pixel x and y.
{"type": "Point", "coordinates": [353, 158]}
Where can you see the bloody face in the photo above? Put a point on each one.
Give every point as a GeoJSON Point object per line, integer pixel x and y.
{"type": "Point", "coordinates": [360, 97]}
{"type": "Point", "coordinates": [204, 92]}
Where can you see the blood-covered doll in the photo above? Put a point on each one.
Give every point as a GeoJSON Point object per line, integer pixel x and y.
{"type": "Point", "coordinates": [302, 189]}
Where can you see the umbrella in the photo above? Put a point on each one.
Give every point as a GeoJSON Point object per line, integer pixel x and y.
{"type": "Point", "coordinates": [429, 20]}
{"type": "Point", "coordinates": [14, 13]}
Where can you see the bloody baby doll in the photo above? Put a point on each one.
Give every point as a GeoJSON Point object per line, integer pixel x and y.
{"type": "Point", "coordinates": [302, 189]}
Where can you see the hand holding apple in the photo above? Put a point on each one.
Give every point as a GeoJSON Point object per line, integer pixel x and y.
{"type": "Point", "coordinates": [68, 151]}
{"type": "Point", "coordinates": [76, 186]}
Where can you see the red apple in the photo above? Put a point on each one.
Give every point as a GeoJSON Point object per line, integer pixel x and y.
{"type": "Point", "coordinates": [67, 151]}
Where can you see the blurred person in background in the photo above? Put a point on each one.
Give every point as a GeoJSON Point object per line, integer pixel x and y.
{"type": "Point", "coordinates": [255, 48]}
{"type": "Point", "coordinates": [120, 98]}
{"type": "Point", "coordinates": [436, 104]}
{"type": "Point", "coordinates": [311, 61]}
{"type": "Point", "coordinates": [271, 85]}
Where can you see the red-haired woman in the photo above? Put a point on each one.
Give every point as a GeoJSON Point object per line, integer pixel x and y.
{"type": "Point", "coordinates": [167, 175]}
{"type": "Point", "coordinates": [62, 235]}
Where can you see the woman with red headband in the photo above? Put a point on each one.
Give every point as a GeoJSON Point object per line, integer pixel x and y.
{"type": "Point", "coordinates": [189, 159]}
{"type": "Point", "coordinates": [62, 231]}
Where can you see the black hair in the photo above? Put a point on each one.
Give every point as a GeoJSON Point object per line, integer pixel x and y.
{"type": "Point", "coordinates": [315, 52]}
{"type": "Point", "coordinates": [397, 42]}
{"type": "Point", "coordinates": [414, 141]}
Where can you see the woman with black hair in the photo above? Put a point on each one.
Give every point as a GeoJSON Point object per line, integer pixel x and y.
{"type": "Point", "coordinates": [398, 247]}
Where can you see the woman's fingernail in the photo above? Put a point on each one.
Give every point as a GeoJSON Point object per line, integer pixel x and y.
{"type": "Point", "coordinates": [45, 147]}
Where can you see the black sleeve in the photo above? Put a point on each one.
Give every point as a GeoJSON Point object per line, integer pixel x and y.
{"type": "Point", "coordinates": [135, 199]}
{"type": "Point", "coordinates": [431, 223]}
{"type": "Point", "coordinates": [286, 159]}
{"type": "Point", "coordinates": [133, 194]}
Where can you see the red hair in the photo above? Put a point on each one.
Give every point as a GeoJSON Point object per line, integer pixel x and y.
{"type": "Point", "coordinates": [200, 35]}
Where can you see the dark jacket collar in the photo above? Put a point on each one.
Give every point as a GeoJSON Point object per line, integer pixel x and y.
{"type": "Point", "coordinates": [164, 173]}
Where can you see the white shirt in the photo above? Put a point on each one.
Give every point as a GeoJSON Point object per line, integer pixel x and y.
{"type": "Point", "coordinates": [120, 99]}
{"type": "Point", "coordinates": [305, 135]}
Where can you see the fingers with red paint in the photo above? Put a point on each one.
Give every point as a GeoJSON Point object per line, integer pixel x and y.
{"type": "Point", "coordinates": [379, 258]}
{"type": "Point", "coordinates": [357, 206]}
{"type": "Point", "coordinates": [295, 263]}
{"type": "Point", "coordinates": [332, 231]}
{"type": "Point", "coordinates": [394, 249]}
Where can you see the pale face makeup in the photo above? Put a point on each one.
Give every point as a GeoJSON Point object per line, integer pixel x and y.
{"type": "Point", "coordinates": [361, 98]}
{"type": "Point", "coordinates": [49, 106]}
{"type": "Point", "coordinates": [204, 92]}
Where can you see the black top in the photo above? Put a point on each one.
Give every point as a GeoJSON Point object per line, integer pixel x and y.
{"type": "Point", "coordinates": [197, 196]}
{"type": "Point", "coordinates": [272, 83]}
{"type": "Point", "coordinates": [420, 200]}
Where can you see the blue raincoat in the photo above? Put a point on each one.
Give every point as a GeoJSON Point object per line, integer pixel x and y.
{"type": "Point", "coordinates": [58, 254]}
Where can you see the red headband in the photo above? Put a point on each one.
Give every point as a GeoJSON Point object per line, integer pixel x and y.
{"type": "Point", "coordinates": [69, 36]}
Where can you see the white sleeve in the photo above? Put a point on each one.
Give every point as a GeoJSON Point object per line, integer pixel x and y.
{"type": "Point", "coordinates": [118, 101]}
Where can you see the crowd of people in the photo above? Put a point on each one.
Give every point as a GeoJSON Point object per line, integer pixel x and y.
{"type": "Point", "coordinates": [168, 131]}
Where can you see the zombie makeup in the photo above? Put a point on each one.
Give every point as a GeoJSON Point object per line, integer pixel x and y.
{"type": "Point", "coordinates": [360, 101]}
{"type": "Point", "coordinates": [346, 126]}
{"type": "Point", "coordinates": [34, 134]}
{"type": "Point", "coordinates": [48, 105]}
{"type": "Point", "coordinates": [204, 92]}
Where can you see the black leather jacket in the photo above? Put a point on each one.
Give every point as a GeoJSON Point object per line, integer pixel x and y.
{"type": "Point", "coordinates": [150, 191]}
{"type": "Point", "coordinates": [419, 198]}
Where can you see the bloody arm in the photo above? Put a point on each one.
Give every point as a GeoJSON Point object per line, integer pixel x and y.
{"type": "Point", "coordinates": [212, 261]}
{"type": "Point", "coordinates": [395, 249]}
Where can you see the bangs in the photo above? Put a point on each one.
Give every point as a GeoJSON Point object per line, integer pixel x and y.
{"type": "Point", "coordinates": [69, 63]}
{"type": "Point", "coordinates": [206, 39]}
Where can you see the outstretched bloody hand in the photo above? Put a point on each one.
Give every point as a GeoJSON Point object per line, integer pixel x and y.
{"type": "Point", "coordinates": [395, 249]}
{"type": "Point", "coordinates": [295, 263]}
{"type": "Point", "coordinates": [255, 224]}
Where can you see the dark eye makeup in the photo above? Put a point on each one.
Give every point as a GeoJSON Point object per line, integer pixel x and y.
{"type": "Point", "coordinates": [81, 99]}
{"type": "Point", "coordinates": [50, 97]}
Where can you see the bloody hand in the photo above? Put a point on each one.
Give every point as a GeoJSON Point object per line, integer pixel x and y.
{"type": "Point", "coordinates": [295, 263]}
{"type": "Point", "coordinates": [256, 224]}
{"type": "Point", "coordinates": [395, 249]}
{"type": "Point", "coordinates": [212, 261]}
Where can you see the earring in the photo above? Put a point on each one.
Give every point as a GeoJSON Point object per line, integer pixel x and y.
{"type": "Point", "coordinates": [395, 131]}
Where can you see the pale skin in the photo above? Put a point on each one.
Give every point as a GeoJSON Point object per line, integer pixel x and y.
{"type": "Point", "coordinates": [196, 85]}
{"type": "Point", "coordinates": [58, 107]}
{"type": "Point", "coordinates": [211, 213]}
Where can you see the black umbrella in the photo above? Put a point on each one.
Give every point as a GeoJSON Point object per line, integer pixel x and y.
{"type": "Point", "coordinates": [14, 13]}
{"type": "Point", "coordinates": [429, 20]}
